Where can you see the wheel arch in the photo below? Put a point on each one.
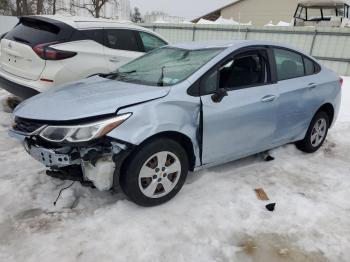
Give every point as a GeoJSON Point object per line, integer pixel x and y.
{"type": "Point", "coordinates": [180, 138]}
{"type": "Point", "coordinates": [329, 110]}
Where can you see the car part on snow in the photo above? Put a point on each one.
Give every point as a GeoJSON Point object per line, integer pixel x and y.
{"type": "Point", "coordinates": [59, 194]}
{"type": "Point", "coordinates": [268, 157]}
{"type": "Point", "coordinates": [261, 194]}
{"type": "Point", "coordinates": [271, 207]}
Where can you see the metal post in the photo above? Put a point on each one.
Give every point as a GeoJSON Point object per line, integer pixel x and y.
{"type": "Point", "coordinates": [194, 34]}
{"type": "Point", "coordinates": [313, 42]}
{"type": "Point", "coordinates": [246, 33]}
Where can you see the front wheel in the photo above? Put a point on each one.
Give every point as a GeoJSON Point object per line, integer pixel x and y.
{"type": "Point", "coordinates": [155, 173]}
{"type": "Point", "coordinates": [316, 134]}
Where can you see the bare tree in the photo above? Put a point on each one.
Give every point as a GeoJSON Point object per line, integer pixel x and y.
{"type": "Point", "coordinates": [39, 7]}
{"type": "Point", "coordinates": [5, 7]}
{"type": "Point", "coordinates": [136, 16]}
{"type": "Point", "coordinates": [92, 6]}
{"type": "Point", "coordinates": [24, 7]}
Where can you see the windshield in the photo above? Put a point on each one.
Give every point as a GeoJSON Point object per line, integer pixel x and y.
{"type": "Point", "coordinates": [164, 67]}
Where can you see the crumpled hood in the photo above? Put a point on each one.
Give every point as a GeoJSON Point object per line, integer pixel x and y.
{"type": "Point", "coordinates": [89, 97]}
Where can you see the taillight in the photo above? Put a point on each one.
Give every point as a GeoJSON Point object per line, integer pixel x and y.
{"type": "Point", "coordinates": [341, 80]}
{"type": "Point", "coordinates": [46, 52]}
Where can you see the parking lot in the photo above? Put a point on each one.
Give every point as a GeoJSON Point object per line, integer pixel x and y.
{"type": "Point", "coordinates": [216, 216]}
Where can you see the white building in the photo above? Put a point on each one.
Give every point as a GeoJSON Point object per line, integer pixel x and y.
{"type": "Point", "coordinates": [113, 9]}
{"type": "Point", "coordinates": [161, 17]}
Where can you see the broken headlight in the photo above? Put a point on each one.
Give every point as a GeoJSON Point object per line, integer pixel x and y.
{"type": "Point", "coordinates": [82, 133]}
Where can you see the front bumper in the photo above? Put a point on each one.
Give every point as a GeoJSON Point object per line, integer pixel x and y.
{"type": "Point", "coordinates": [98, 162]}
{"type": "Point", "coordinates": [49, 157]}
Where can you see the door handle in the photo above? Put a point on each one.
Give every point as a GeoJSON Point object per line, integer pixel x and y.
{"type": "Point", "coordinates": [311, 85]}
{"type": "Point", "coordinates": [268, 98]}
{"type": "Point", "coordinates": [114, 60]}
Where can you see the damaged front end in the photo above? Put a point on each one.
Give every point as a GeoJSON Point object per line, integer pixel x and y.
{"type": "Point", "coordinates": [89, 157]}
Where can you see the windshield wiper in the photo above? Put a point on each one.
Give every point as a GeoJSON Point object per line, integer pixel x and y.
{"type": "Point", "coordinates": [117, 74]}
{"type": "Point", "coordinates": [161, 79]}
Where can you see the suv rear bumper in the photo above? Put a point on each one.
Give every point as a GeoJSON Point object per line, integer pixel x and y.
{"type": "Point", "coordinates": [21, 87]}
{"type": "Point", "coordinates": [19, 90]}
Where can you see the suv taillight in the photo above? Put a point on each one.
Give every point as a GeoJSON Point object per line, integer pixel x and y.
{"type": "Point", "coordinates": [341, 80]}
{"type": "Point", "coordinates": [46, 52]}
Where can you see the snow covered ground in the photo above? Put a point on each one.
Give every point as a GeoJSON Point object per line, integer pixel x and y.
{"type": "Point", "coordinates": [215, 217]}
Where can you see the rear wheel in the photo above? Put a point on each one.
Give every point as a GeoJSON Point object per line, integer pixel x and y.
{"type": "Point", "coordinates": [155, 173]}
{"type": "Point", "coordinates": [316, 134]}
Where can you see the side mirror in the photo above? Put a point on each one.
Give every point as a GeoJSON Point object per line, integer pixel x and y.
{"type": "Point", "coordinates": [219, 95]}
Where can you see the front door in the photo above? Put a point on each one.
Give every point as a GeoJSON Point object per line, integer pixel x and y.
{"type": "Point", "coordinates": [244, 121]}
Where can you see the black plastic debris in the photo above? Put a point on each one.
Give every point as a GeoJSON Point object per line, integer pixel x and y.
{"type": "Point", "coordinates": [271, 207]}
{"type": "Point", "coordinates": [268, 158]}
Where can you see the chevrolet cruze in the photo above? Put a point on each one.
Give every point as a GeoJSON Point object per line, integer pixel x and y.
{"type": "Point", "coordinates": [179, 108]}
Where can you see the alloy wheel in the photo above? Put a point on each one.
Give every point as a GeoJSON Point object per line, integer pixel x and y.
{"type": "Point", "coordinates": [318, 132]}
{"type": "Point", "coordinates": [159, 174]}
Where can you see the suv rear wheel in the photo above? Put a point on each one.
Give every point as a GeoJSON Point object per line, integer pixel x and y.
{"type": "Point", "coordinates": [155, 173]}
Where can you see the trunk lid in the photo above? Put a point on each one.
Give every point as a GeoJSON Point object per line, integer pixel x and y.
{"type": "Point", "coordinates": [20, 60]}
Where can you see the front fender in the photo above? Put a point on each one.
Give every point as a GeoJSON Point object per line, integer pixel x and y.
{"type": "Point", "coordinates": [158, 116]}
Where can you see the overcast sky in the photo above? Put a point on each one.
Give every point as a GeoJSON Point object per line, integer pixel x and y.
{"type": "Point", "coordinates": [184, 8]}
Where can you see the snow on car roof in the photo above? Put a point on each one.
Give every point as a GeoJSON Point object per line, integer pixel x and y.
{"type": "Point", "coordinates": [323, 3]}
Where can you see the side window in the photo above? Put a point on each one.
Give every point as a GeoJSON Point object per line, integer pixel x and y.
{"type": "Point", "coordinates": [289, 64]}
{"type": "Point", "coordinates": [150, 42]}
{"type": "Point", "coordinates": [121, 39]}
{"type": "Point", "coordinates": [249, 69]}
{"type": "Point", "coordinates": [96, 35]}
{"type": "Point", "coordinates": [209, 82]}
{"type": "Point", "coordinates": [309, 66]}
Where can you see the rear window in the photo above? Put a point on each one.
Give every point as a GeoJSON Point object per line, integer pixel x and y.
{"type": "Point", "coordinates": [34, 32]}
{"type": "Point", "coordinates": [289, 64]}
{"type": "Point", "coordinates": [95, 35]}
{"type": "Point", "coordinates": [122, 39]}
{"type": "Point", "coordinates": [309, 66]}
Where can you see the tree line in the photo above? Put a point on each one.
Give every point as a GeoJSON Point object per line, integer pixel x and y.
{"type": "Point", "coordinates": [52, 7]}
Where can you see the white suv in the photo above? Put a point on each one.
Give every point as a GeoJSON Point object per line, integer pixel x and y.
{"type": "Point", "coordinates": [43, 51]}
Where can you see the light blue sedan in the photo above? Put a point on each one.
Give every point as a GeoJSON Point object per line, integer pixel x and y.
{"type": "Point", "coordinates": [179, 108]}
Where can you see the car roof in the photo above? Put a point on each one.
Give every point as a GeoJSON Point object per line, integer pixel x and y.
{"type": "Point", "coordinates": [224, 44]}
{"type": "Point", "coordinates": [323, 3]}
{"type": "Point", "coordinates": [80, 22]}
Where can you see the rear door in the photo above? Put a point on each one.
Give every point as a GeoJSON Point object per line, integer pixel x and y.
{"type": "Point", "coordinates": [17, 55]}
{"type": "Point", "coordinates": [122, 46]}
{"type": "Point", "coordinates": [298, 87]}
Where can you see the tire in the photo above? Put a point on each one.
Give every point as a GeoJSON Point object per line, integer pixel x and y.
{"type": "Point", "coordinates": [144, 177]}
{"type": "Point", "coordinates": [309, 143]}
